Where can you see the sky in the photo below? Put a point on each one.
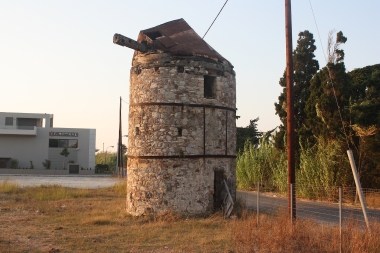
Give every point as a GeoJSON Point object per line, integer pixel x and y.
{"type": "Point", "coordinates": [57, 57]}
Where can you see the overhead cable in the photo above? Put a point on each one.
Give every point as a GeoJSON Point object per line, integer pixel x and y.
{"type": "Point", "coordinates": [215, 19]}
{"type": "Point", "coordinates": [331, 81]}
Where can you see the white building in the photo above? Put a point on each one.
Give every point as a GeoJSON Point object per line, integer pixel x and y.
{"type": "Point", "coordinates": [31, 138]}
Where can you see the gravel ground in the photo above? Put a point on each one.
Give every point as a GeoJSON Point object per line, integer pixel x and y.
{"type": "Point", "coordinates": [66, 181]}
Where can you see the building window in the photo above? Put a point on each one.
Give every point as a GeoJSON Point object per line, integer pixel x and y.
{"type": "Point", "coordinates": [73, 143]}
{"type": "Point", "coordinates": [179, 131]}
{"type": "Point", "coordinates": [137, 131]}
{"type": "Point", "coordinates": [8, 121]}
{"type": "Point", "coordinates": [63, 143]}
{"type": "Point", "coordinates": [53, 143]}
{"type": "Point", "coordinates": [209, 86]}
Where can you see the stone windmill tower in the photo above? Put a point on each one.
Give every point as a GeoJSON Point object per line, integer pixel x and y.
{"type": "Point", "coordinates": [182, 131]}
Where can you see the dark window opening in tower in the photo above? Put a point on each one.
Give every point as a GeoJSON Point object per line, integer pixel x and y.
{"type": "Point", "coordinates": [137, 132]}
{"type": "Point", "coordinates": [180, 69]}
{"type": "Point", "coordinates": [209, 86]}
{"type": "Point", "coordinates": [179, 131]}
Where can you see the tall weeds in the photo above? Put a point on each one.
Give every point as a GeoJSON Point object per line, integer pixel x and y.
{"type": "Point", "coordinates": [322, 165]}
{"type": "Point", "coordinates": [263, 163]}
{"type": "Point", "coordinates": [7, 186]}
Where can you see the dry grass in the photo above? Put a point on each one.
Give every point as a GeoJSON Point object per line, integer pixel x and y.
{"type": "Point", "coordinates": [43, 219]}
{"type": "Point", "coordinates": [276, 234]}
{"type": "Point", "coordinates": [373, 199]}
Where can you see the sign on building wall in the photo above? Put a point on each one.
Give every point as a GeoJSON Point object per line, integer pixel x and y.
{"type": "Point", "coordinates": [66, 134]}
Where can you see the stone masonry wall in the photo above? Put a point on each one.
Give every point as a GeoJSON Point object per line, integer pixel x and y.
{"type": "Point", "coordinates": [179, 81]}
{"type": "Point", "coordinates": [184, 185]}
{"type": "Point", "coordinates": [178, 138]}
{"type": "Point", "coordinates": [158, 128]}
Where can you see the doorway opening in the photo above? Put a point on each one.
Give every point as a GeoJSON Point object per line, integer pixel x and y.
{"type": "Point", "coordinates": [73, 168]}
{"type": "Point", "coordinates": [218, 189]}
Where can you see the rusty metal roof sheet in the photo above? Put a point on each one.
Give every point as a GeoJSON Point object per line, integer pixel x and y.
{"type": "Point", "coordinates": [178, 38]}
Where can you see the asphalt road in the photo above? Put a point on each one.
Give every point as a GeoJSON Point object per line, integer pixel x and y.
{"type": "Point", "coordinates": [319, 211]}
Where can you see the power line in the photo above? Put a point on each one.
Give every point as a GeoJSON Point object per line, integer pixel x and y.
{"type": "Point", "coordinates": [215, 19]}
{"type": "Point", "coordinates": [331, 81]}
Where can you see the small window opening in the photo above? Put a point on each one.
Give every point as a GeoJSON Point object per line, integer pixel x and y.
{"type": "Point", "coordinates": [209, 86]}
{"type": "Point", "coordinates": [179, 131]}
{"type": "Point", "coordinates": [8, 121]}
{"type": "Point", "coordinates": [180, 69]}
{"type": "Point", "coordinates": [157, 69]}
{"type": "Point", "coordinates": [137, 132]}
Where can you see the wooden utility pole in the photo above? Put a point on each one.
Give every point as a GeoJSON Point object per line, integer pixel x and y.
{"type": "Point", "coordinates": [290, 112]}
{"type": "Point", "coordinates": [120, 148]}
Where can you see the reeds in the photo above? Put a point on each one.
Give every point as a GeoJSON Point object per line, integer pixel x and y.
{"type": "Point", "coordinates": [322, 165]}
{"type": "Point", "coordinates": [261, 164]}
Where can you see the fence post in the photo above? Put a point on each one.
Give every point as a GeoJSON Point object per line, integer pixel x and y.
{"type": "Point", "coordinates": [291, 203]}
{"type": "Point", "coordinates": [340, 219]}
{"type": "Point", "coordinates": [358, 186]}
{"type": "Point", "coordinates": [258, 202]}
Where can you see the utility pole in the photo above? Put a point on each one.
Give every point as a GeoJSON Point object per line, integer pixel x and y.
{"type": "Point", "coordinates": [120, 147]}
{"type": "Point", "coordinates": [290, 112]}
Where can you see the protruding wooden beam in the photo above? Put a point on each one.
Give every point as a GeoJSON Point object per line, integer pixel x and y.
{"type": "Point", "coordinates": [127, 42]}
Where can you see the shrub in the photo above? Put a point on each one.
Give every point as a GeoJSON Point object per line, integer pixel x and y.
{"type": "Point", "coordinates": [102, 168]}
{"type": "Point", "coordinates": [14, 164]}
{"type": "Point", "coordinates": [46, 164]}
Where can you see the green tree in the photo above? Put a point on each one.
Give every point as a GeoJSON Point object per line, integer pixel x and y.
{"type": "Point", "coordinates": [305, 67]}
{"type": "Point", "coordinates": [64, 153]}
{"type": "Point", "coordinates": [111, 158]}
{"type": "Point", "coordinates": [366, 82]}
{"type": "Point", "coordinates": [328, 103]}
{"type": "Point", "coordinates": [366, 123]}
{"type": "Point", "coordinates": [249, 133]}
{"type": "Point", "coordinates": [124, 149]}
{"type": "Point", "coordinates": [330, 90]}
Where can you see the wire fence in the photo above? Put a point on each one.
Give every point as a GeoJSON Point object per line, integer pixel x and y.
{"type": "Point", "coordinates": [336, 208]}
{"type": "Point", "coordinates": [319, 203]}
